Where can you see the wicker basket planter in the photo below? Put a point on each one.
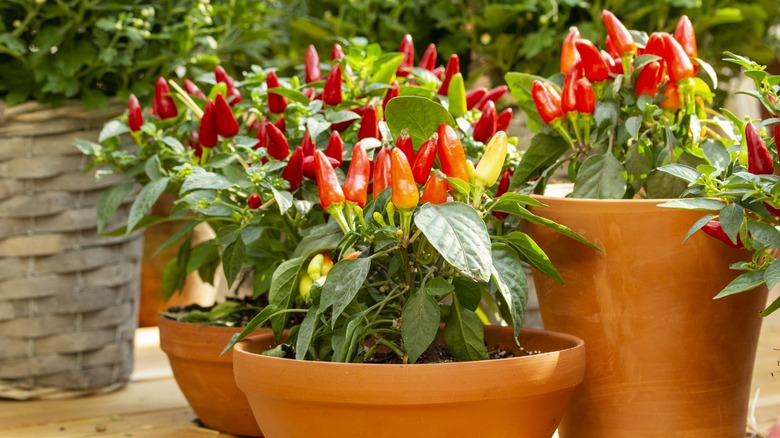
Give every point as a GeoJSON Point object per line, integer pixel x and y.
{"type": "Point", "coordinates": [68, 297]}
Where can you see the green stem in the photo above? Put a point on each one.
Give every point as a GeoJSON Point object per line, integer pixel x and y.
{"type": "Point", "coordinates": [404, 358]}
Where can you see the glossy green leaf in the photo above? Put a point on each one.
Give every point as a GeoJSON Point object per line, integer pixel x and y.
{"type": "Point", "coordinates": [600, 177]}
{"type": "Point", "coordinates": [419, 324]}
{"type": "Point", "coordinates": [342, 284]}
{"type": "Point", "coordinates": [233, 260]}
{"type": "Point", "coordinates": [510, 279]}
{"type": "Point", "coordinates": [420, 116]}
{"type": "Point", "coordinates": [464, 335]}
{"type": "Point", "coordinates": [533, 253]}
{"type": "Point", "coordinates": [745, 282]}
{"type": "Point", "coordinates": [109, 203]}
{"type": "Point", "coordinates": [284, 286]}
{"type": "Point", "coordinates": [144, 201]}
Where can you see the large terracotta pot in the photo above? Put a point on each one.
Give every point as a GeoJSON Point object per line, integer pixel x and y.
{"type": "Point", "coordinates": [516, 397]}
{"type": "Point", "coordinates": [664, 358]}
{"type": "Point", "coordinates": [205, 377]}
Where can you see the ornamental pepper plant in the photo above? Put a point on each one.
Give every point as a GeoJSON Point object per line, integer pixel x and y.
{"type": "Point", "coordinates": [618, 112]}
{"type": "Point", "coordinates": [420, 257]}
{"type": "Point", "coordinates": [739, 189]}
{"type": "Point", "coordinates": [246, 155]}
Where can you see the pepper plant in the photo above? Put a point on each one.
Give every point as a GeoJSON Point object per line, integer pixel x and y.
{"type": "Point", "coordinates": [740, 189]}
{"type": "Point", "coordinates": [612, 117]}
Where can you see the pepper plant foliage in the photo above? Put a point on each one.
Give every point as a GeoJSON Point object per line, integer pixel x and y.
{"type": "Point", "coordinates": [740, 190]}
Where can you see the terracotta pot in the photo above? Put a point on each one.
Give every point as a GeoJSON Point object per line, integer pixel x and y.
{"type": "Point", "coordinates": [516, 397]}
{"type": "Point", "coordinates": [205, 378]}
{"type": "Point", "coordinates": [664, 358]}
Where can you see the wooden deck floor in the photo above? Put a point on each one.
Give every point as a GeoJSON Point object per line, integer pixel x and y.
{"type": "Point", "coordinates": [151, 405]}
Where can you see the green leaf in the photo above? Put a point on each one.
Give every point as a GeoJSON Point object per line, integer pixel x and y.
{"type": "Point", "coordinates": [306, 332]}
{"type": "Point", "coordinates": [511, 282]}
{"type": "Point", "coordinates": [174, 144]}
{"type": "Point", "coordinates": [461, 187]}
{"type": "Point", "coordinates": [145, 200]}
{"type": "Point", "coordinates": [772, 274]}
{"type": "Point", "coordinates": [662, 185]}
{"type": "Point", "coordinates": [233, 260]}
{"type": "Point", "coordinates": [172, 279]}
{"type": "Point", "coordinates": [419, 324]}
{"type": "Point", "coordinates": [706, 204]}
{"type": "Point", "coordinates": [745, 282]}
{"type": "Point", "coordinates": [420, 116]}
{"type": "Point", "coordinates": [385, 68]}
{"type": "Point", "coordinates": [113, 128]}
{"type": "Point", "coordinates": [109, 203]}
{"type": "Point", "coordinates": [458, 233]}
{"type": "Point", "coordinates": [293, 95]}
{"type": "Point", "coordinates": [686, 173]}
{"type": "Point", "coordinates": [259, 319]}
{"type": "Point", "coordinates": [771, 308]}
{"type": "Point", "coordinates": [323, 237]}
{"type": "Point", "coordinates": [153, 167]}
{"type": "Point", "coordinates": [697, 226]}
{"type": "Point", "coordinates": [464, 335]}
{"type": "Point", "coordinates": [469, 293]}
{"type": "Point", "coordinates": [86, 147]}
{"type": "Point", "coordinates": [342, 284]}
{"type": "Point", "coordinates": [600, 177]}
{"type": "Point", "coordinates": [175, 236]}
{"type": "Point", "coordinates": [437, 287]}
{"type": "Point", "coordinates": [205, 180]}
{"type": "Point", "coordinates": [284, 285]}
{"type": "Point", "coordinates": [543, 151]}
{"type": "Point", "coordinates": [731, 217]}
{"type": "Point", "coordinates": [283, 199]}
{"type": "Point", "coordinates": [566, 231]}
{"type": "Point", "coordinates": [532, 253]}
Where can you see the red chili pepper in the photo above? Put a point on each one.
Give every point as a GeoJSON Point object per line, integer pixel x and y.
{"type": "Point", "coordinates": [655, 45]}
{"type": "Point", "coordinates": [595, 69]}
{"type": "Point", "coordinates": [586, 97]}
{"type": "Point", "coordinates": [277, 146]}
{"type": "Point", "coordinates": [407, 49]}
{"type": "Point", "coordinates": [358, 176]}
{"type": "Point", "coordinates": [163, 103]}
{"type": "Point", "coordinates": [451, 154]}
{"type": "Point", "coordinates": [492, 95]}
{"type": "Point", "coordinates": [232, 92]}
{"type": "Point", "coordinates": [678, 65]}
{"type": "Point", "coordinates": [381, 171]}
{"type": "Point", "coordinates": [227, 126]}
{"type": "Point", "coordinates": [193, 89]}
{"type": "Point", "coordinates": [327, 182]}
{"type": "Point", "coordinates": [672, 101]}
{"type": "Point", "coordinates": [759, 159]}
{"type": "Point", "coordinates": [281, 124]}
{"type": "Point", "coordinates": [568, 93]}
{"type": "Point", "coordinates": [307, 146]}
{"type": "Point", "coordinates": [262, 135]}
{"type": "Point", "coordinates": [547, 101]}
{"type": "Point", "coordinates": [714, 229]}
{"type": "Point", "coordinates": [331, 95]}
{"type": "Point", "coordinates": [391, 93]}
{"type": "Point", "coordinates": [611, 48]}
{"type": "Point", "coordinates": [773, 211]}
{"type": "Point", "coordinates": [293, 171]}
{"type": "Point", "coordinates": [475, 96]}
{"type": "Point", "coordinates": [276, 102]}
{"type": "Point", "coordinates": [404, 143]}
{"type": "Point", "coordinates": [207, 132]}
{"type": "Point", "coordinates": [453, 66]}
{"type": "Point", "coordinates": [369, 125]}
{"type": "Point", "coordinates": [335, 148]}
{"type": "Point", "coordinates": [435, 190]}
{"type": "Point", "coordinates": [405, 193]}
{"type": "Point", "coordinates": [503, 186]}
{"type": "Point", "coordinates": [428, 60]}
{"type": "Point", "coordinates": [439, 72]}
{"type": "Point", "coordinates": [686, 36]}
{"type": "Point", "coordinates": [615, 66]}
{"type": "Point", "coordinates": [649, 79]}
{"type": "Point", "coordinates": [485, 127]}
{"type": "Point", "coordinates": [504, 119]}
{"type": "Point", "coordinates": [312, 65]}
{"type": "Point", "coordinates": [423, 161]}
{"type": "Point", "coordinates": [308, 166]}
{"type": "Point", "coordinates": [337, 52]}
{"type": "Point", "coordinates": [620, 36]}
{"type": "Point", "coordinates": [569, 52]}
{"type": "Point", "coordinates": [254, 201]}
{"type": "Point", "coordinates": [135, 117]}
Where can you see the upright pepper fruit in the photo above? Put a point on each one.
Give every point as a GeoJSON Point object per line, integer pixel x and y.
{"type": "Point", "coordinates": [404, 143]}
{"type": "Point", "coordinates": [381, 171]}
{"type": "Point", "coordinates": [453, 67]}
{"type": "Point", "coordinates": [262, 135]}
{"type": "Point", "coordinates": [547, 101]}
{"type": "Point", "coordinates": [405, 193]}
{"type": "Point", "coordinates": [586, 97]}
{"type": "Point", "coordinates": [759, 159]}
{"type": "Point", "coordinates": [276, 102]}
{"type": "Point", "coordinates": [307, 145]}
{"type": "Point", "coordinates": [227, 126]}
{"type": "Point", "coordinates": [369, 124]}
{"type": "Point", "coordinates": [504, 119]}
{"type": "Point", "coordinates": [331, 95]}
{"type": "Point", "coordinates": [278, 146]}
{"type": "Point", "coordinates": [503, 187]}
{"type": "Point", "coordinates": [135, 117]}
{"type": "Point", "coordinates": [435, 190]}
{"type": "Point", "coordinates": [423, 161]}
{"type": "Point", "coordinates": [672, 100]}
{"type": "Point", "coordinates": [655, 45]}
{"type": "Point", "coordinates": [568, 93]}
{"type": "Point", "coordinates": [358, 176]}
{"type": "Point", "coordinates": [678, 65]}
{"type": "Point", "coordinates": [312, 65]}
{"type": "Point", "coordinates": [595, 69]}
{"type": "Point", "coordinates": [392, 92]}
{"type": "Point", "coordinates": [649, 79]}
{"type": "Point", "coordinates": [714, 229]}
{"type": "Point", "coordinates": [220, 75]}
{"type": "Point", "coordinates": [407, 49]}
{"type": "Point", "coordinates": [335, 148]}
{"type": "Point", "coordinates": [491, 96]}
{"type": "Point", "coordinates": [686, 36]}
{"type": "Point", "coordinates": [207, 132]}
{"type": "Point", "coordinates": [489, 167]}
{"type": "Point", "coordinates": [293, 171]}
{"type": "Point", "coordinates": [485, 126]}
{"type": "Point", "coordinates": [475, 96]}
{"type": "Point", "coordinates": [327, 182]}
{"type": "Point", "coordinates": [428, 60]}
{"type": "Point", "coordinates": [337, 52]}
{"type": "Point", "coordinates": [618, 33]}
{"type": "Point", "coordinates": [163, 103]}
{"type": "Point", "coordinates": [451, 154]}
{"type": "Point", "coordinates": [193, 89]}
{"type": "Point", "coordinates": [569, 52]}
